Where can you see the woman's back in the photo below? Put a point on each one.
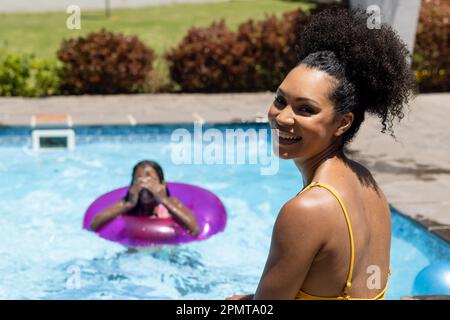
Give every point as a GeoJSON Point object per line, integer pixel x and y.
{"type": "Point", "coordinates": [369, 219]}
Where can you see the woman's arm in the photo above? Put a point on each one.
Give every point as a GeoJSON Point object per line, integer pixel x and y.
{"type": "Point", "coordinates": [181, 213]}
{"type": "Point", "coordinates": [110, 213]}
{"type": "Point", "coordinates": [296, 239]}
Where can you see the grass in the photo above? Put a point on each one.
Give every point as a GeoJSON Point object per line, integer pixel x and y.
{"type": "Point", "coordinates": [159, 27]}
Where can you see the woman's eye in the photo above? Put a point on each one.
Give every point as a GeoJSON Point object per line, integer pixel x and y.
{"type": "Point", "coordinates": [305, 110]}
{"type": "Point", "coordinates": [280, 101]}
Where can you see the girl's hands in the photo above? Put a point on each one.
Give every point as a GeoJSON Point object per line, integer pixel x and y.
{"type": "Point", "coordinates": [149, 183]}
{"type": "Point", "coordinates": [155, 187]}
{"type": "Point", "coordinates": [134, 192]}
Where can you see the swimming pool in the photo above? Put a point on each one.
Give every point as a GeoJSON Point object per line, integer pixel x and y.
{"type": "Point", "coordinates": [43, 197]}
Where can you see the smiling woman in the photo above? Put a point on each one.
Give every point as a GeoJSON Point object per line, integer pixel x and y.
{"type": "Point", "coordinates": [328, 238]}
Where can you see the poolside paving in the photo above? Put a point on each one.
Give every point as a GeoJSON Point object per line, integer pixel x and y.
{"type": "Point", "coordinates": [414, 171]}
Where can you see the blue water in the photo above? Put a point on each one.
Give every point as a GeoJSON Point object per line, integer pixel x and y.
{"type": "Point", "coordinates": [44, 253]}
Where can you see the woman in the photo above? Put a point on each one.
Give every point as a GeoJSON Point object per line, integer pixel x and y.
{"type": "Point", "coordinates": [149, 197]}
{"type": "Point", "coordinates": [329, 239]}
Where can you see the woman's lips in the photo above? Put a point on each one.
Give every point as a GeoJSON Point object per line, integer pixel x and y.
{"type": "Point", "coordinates": [287, 139]}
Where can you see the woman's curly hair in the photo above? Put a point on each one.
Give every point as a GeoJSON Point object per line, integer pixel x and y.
{"type": "Point", "coordinates": [370, 65]}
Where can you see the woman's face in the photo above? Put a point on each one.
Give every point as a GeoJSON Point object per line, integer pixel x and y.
{"type": "Point", "coordinates": [303, 113]}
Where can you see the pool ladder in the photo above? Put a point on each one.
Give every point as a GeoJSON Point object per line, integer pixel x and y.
{"type": "Point", "coordinates": [52, 131]}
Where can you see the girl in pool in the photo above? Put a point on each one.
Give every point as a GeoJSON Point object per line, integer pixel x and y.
{"type": "Point", "coordinates": [332, 240]}
{"type": "Point", "coordinates": [148, 196]}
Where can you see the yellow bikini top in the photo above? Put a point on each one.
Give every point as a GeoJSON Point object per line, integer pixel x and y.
{"type": "Point", "coordinates": [345, 292]}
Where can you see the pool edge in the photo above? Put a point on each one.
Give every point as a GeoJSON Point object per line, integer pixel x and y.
{"type": "Point", "coordinates": [440, 230]}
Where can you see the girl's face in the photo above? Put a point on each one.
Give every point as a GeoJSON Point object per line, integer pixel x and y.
{"type": "Point", "coordinates": [304, 114]}
{"type": "Point", "coordinates": [146, 171]}
{"type": "Point", "coordinates": [145, 196]}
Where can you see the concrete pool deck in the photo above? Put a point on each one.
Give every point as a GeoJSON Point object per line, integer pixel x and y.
{"type": "Point", "coordinates": [414, 172]}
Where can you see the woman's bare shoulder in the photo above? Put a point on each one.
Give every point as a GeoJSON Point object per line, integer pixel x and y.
{"type": "Point", "coordinates": [316, 201]}
{"type": "Point", "coordinates": [307, 212]}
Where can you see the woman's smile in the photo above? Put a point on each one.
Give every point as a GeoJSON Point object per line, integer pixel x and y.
{"type": "Point", "coordinates": [285, 138]}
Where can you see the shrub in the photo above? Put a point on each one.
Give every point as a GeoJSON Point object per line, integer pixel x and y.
{"type": "Point", "coordinates": [255, 58]}
{"type": "Point", "coordinates": [214, 59]}
{"type": "Point", "coordinates": [25, 75]}
{"type": "Point", "coordinates": [431, 62]}
{"type": "Point", "coordinates": [207, 60]}
{"type": "Point", "coordinates": [269, 49]}
{"type": "Point", "coordinates": [105, 63]}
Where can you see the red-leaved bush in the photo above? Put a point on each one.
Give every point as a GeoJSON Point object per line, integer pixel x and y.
{"type": "Point", "coordinates": [431, 61]}
{"type": "Point", "coordinates": [255, 58]}
{"type": "Point", "coordinates": [207, 60]}
{"type": "Point", "coordinates": [269, 49]}
{"type": "Point", "coordinates": [104, 63]}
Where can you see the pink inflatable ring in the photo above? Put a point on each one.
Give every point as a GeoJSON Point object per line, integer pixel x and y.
{"type": "Point", "coordinates": [132, 231]}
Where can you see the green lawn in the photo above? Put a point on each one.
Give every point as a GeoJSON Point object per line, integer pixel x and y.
{"type": "Point", "coordinates": [159, 27]}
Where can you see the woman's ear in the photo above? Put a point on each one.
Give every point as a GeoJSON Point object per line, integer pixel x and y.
{"type": "Point", "coordinates": [345, 123]}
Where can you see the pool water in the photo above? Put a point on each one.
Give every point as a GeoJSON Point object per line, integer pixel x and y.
{"type": "Point", "coordinates": [45, 254]}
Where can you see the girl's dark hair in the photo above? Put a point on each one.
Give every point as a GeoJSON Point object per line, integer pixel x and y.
{"type": "Point", "coordinates": [370, 65]}
{"type": "Point", "coordinates": [147, 163]}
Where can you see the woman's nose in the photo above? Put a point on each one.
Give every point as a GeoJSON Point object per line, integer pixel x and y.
{"type": "Point", "coordinates": [285, 117]}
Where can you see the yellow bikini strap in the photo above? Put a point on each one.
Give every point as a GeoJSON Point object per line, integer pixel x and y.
{"type": "Point", "coordinates": [350, 232]}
